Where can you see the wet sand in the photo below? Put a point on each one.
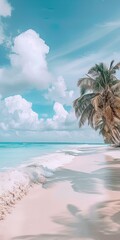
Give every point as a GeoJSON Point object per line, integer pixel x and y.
{"type": "Point", "coordinates": [80, 201]}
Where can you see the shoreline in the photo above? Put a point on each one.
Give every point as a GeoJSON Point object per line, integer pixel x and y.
{"type": "Point", "coordinates": [84, 192]}
{"type": "Point", "coordinates": [15, 183]}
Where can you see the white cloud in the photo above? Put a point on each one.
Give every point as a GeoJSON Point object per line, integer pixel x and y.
{"type": "Point", "coordinates": [5, 11]}
{"type": "Point", "coordinates": [59, 92]}
{"type": "Point", "coordinates": [28, 65]}
{"type": "Point", "coordinates": [5, 8]}
{"type": "Point", "coordinates": [79, 135]}
{"type": "Point", "coordinates": [18, 122]}
{"type": "Point", "coordinates": [17, 113]}
{"type": "Point", "coordinates": [61, 120]}
{"type": "Point", "coordinates": [61, 113]}
{"type": "Point", "coordinates": [28, 70]}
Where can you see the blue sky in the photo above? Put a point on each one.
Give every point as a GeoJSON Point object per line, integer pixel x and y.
{"type": "Point", "coordinates": [45, 47]}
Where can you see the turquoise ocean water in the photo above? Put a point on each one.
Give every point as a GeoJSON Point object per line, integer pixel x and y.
{"type": "Point", "coordinates": [15, 154]}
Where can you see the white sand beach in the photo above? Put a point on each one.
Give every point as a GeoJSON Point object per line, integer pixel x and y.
{"type": "Point", "coordinates": [80, 201]}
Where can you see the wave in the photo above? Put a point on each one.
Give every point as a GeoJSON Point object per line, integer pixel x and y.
{"type": "Point", "coordinates": [15, 183]}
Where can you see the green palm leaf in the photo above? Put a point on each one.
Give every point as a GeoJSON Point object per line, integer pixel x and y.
{"type": "Point", "coordinates": [81, 103]}
{"type": "Point", "coordinates": [86, 84]}
{"type": "Point", "coordinates": [85, 115]}
{"type": "Point", "coordinates": [111, 65]}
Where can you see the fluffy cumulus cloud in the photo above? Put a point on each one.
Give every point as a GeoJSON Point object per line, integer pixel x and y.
{"type": "Point", "coordinates": [59, 117]}
{"type": "Point", "coordinates": [28, 65]}
{"type": "Point", "coordinates": [17, 114]}
{"type": "Point", "coordinates": [19, 122]}
{"type": "Point", "coordinates": [58, 92]}
{"type": "Point", "coordinates": [62, 119]}
{"type": "Point", "coordinates": [28, 68]}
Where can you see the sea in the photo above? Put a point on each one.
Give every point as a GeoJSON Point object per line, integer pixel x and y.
{"type": "Point", "coordinates": [15, 154]}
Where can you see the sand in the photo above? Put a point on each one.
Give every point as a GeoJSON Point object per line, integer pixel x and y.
{"type": "Point", "coordinates": [80, 201]}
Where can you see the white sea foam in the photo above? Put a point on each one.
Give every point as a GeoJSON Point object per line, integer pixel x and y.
{"type": "Point", "coordinates": [15, 183]}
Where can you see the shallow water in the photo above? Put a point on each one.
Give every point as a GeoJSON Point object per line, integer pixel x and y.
{"type": "Point", "coordinates": [15, 154]}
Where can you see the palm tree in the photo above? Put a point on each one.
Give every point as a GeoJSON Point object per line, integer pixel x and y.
{"type": "Point", "coordinates": [99, 101]}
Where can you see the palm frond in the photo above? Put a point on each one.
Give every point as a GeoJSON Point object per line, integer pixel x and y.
{"type": "Point", "coordinates": [76, 107]}
{"type": "Point", "coordinates": [99, 85]}
{"type": "Point", "coordinates": [81, 103]}
{"type": "Point", "coordinates": [97, 120]}
{"type": "Point", "coordinates": [85, 84]}
{"type": "Point", "coordinates": [90, 118]}
{"type": "Point", "coordinates": [85, 115]}
{"type": "Point", "coordinates": [113, 80]}
{"type": "Point", "coordinates": [111, 65]}
{"type": "Point", "coordinates": [102, 126]}
{"type": "Point", "coordinates": [117, 66]}
{"type": "Point", "coordinates": [93, 71]}
{"type": "Point", "coordinates": [100, 71]}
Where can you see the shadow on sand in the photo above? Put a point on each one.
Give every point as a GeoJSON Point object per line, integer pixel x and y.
{"type": "Point", "coordinates": [80, 181]}
{"type": "Point", "coordinates": [78, 226]}
{"type": "Point", "coordinates": [87, 182]}
{"type": "Point", "coordinates": [102, 222]}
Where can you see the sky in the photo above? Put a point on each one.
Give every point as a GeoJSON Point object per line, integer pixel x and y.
{"type": "Point", "coordinates": [45, 47]}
